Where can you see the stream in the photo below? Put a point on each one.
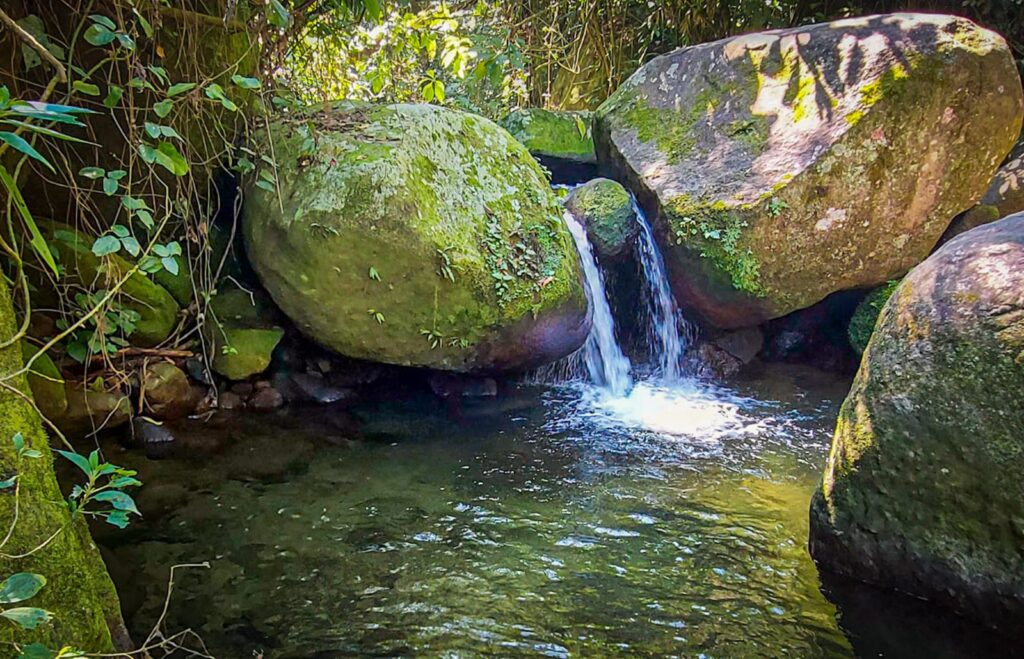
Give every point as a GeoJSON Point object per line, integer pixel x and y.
{"type": "Point", "coordinates": [602, 509]}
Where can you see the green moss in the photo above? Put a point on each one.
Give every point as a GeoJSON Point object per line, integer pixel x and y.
{"type": "Point", "coordinates": [46, 382]}
{"type": "Point", "coordinates": [715, 231]}
{"type": "Point", "coordinates": [241, 352]}
{"type": "Point", "coordinates": [557, 134]}
{"type": "Point", "coordinates": [454, 217]}
{"type": "Point", "coordinates": [606, 209]}
{"type": "Point", "coordinates": [157, 309]}
{"type": "Point", "coordinates": [78, 591]}
{"type": "Point", "coordinates": [862, 323]}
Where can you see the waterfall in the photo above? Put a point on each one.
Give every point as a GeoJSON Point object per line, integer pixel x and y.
{"type": "Point", "coordinates": [606, 365]}
{"type": "Point", "coordinates": [662, 316]}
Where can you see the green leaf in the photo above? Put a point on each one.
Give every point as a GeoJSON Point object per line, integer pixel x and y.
{"type": "Point", "coordinates": [19, 143]}
{"type": "Point", "coordinates": [37, 241]}
{"type": "Point", "coordinates": [152, 130]}
{"type": "Point", "coordinates": [265, 185]}
{"type": "Point", "coordinates": [145, 217]}
{"type": "Point", "coordinates": [163, 108]}
{"type": "Point", "coordinates": [117, 518]}
{"type": "Point", "coordinates": [168, 156]}
{"type": "Point", "coordinates": [372, 9]}
{"type": "Point", "coordinates": [37, 651]}
{"type": "Point", "coordinates": [146, 27]}
{"type": "Point", "coordinates": [92, 172]}
{"type": "Point", "coordinates": [109, 186]}
{"type": "Point", "coordinates": [77, 350]}
{"type": "Point", "coordinates": [279, 16]}
{"type": "Point", "coordinates": [26, 617]}
{"type": "Point", "coordinates": [85, 88]}
{"type": "Point", "coordinates": [20, 587]}
{"type": "Point", "coordinates": [99, 35]}
{"type": "Point", "coordinates": [374, 275]}
{"type": "Point", "coordinates": [106, 22]}
{"type": "Point", "coordinates": [180, 88]}
{"type": "Point", "coordinates": [133, 203]}
{"type": "Point", "coordinates": [131, 245]}
{"type": "Point", "coordinates": [245, 83]}
{"type": "Point", "coordinates": [119, 500]}
{"type": "Point", "coordinates": [114, 94]}
{"type": "Point", "coordinates": [216, 92]}
{"type": "Point", "coordinates": [170, 265]}
{"type": "Point", "coordinates": [49, 132]}
{"type": "Point", "coordinates": [106, 245]}
{"type": "Point", "coordinates": [77, 459]}
{"type": "Point", "coordinates": [9, 483]}
{"type": "Point", "coordinates": [120, 230]}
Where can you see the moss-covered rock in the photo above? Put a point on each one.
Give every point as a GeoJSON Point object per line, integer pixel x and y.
{"type": "Point", "coordinates": [923, 489]}
{"type": "Point", "coordinates": [46, 382]}
{"type": "Point", "coordinates": [1005, 196]}
{"type": "Point", "coordinates": [242, 333]}
{"type": "Point", "coordinates": [564, 135]}
{"type": "Point", "coordinates": [605, 209]}
{"type": "Point", "coordinates": [167, 391]}
{"type": "Point", "coordinates": [780, 167]}
{"type": "Point", "coordinates": [417, 235]}
{"type": "Point", "coordinates": [862, 323]}
{"type": "Point", "coordinates": [157, 309]}
{"type": "Point", "coordinates": [92, 407]}
{"type": "Point", "coordinates": [78, 591]}
{"type": "Point", "coordinates": [179, 285]}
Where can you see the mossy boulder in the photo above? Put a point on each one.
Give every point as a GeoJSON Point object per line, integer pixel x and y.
{"type": "Point", "coordinates": [783, 166]}
{"type": "Point", "coordinates": [42, 537]}
{"type": "Point", "coordinates": [923, 489]}
{"type": "Point", "coordinates": [862, 323]}
{"type": "Point", "coordinates": [92, 408]}
{"type": "Point", "coordinates": [1005, 196]}
{"type": "Point", "coordinates": [563, 135]}
{"type": "Point", "coordinates": [46, 382]}
{"type": "Point", "coordinates": [605, 209]}
{"type": "Point", "coordinates": [416, 235]}
{"type": "Point", "coordinates": [242, 333]}
{"type": "Point", "coordinates": [167, 391]}
{"type": "Point", "coordinates": [157, 309]}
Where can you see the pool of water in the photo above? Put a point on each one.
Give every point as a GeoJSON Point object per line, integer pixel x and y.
{"type": "Point", "coordinates": [552, 521]}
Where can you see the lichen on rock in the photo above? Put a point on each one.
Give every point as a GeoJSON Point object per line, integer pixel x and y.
{"type": "Point", "coordinates": [783, 166]}
{"type": "Point", "coordinates": [416, 235]}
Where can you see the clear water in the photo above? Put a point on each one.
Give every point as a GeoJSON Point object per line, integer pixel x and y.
{"type": "Point", "coordinates": [606, 365]}
{"type": "Point", "coordinates": [552, 521]}
{"type": "Point", "coordinates": [662, 320]}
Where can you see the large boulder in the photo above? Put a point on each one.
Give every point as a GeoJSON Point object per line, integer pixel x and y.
{"type": "Point", "coordinates": [923, 489]}
{"type": "Point", "coordinates": [606, 210]}
{"type": "Point", "coordinates": [416, 235]}
{"type": "Point", "coordinates": [242, 333]}
{"type": "Point", "coordinates": [862, 323]}
{"type": "Point", "coordinates": [1005, 196]}
{"type": "Point", "coordinates": [782, 166]}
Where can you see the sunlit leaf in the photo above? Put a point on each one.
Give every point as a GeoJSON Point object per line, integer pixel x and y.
{"type": "Point", "coordinates": [26, 617]}
{"type": "Point", "coordinates": [92, 172]}
{"type": "Point", "coordinates": [245, 83]}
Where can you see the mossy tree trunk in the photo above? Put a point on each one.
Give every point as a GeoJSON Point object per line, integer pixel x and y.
{"type": "Point", "coordinates": [78, 593]}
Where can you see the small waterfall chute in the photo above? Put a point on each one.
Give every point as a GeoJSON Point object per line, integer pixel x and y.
{"type": "Point", "coordinates": [606, 364]}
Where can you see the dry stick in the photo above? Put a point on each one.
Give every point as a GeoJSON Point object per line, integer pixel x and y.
{"type": "Point", "coordinates": [62, 73]}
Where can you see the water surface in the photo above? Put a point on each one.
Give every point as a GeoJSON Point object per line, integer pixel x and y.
{"type": "Point", "coordinates": [550, 522]}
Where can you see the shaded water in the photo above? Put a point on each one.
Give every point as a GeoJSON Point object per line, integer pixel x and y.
{"type": "Point", "coordinates": [549, 522]}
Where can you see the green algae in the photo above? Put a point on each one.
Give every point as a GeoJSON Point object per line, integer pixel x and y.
{"type": "Point", "coordinates": [565, 135]}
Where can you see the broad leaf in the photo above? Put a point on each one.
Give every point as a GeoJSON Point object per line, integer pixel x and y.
{"type": "Point", "coordinates": [105, 245]}
{"type": "Point", "coordinates": [20, 144]}
{"type": "Point", "coordinates": [20, 587]}
{"type": "Point", "coordinates": [26, 617]}
{"type": "Point", "coordinates": [78, 459]}
{"type": "Point", "coordinates": [119, 500]}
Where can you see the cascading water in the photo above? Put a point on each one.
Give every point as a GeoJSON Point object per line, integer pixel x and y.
{"type": "Point", "coordinates": [662, 316]}
{"type": "Point", "coordinates": [606, 365]}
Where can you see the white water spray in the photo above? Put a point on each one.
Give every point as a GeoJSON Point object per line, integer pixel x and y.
{"type": "Point", "coordinates": [663, 319]}
{"type": "Point", "coordinates": [606, 365]}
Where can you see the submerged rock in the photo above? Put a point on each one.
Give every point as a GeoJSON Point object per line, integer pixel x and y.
{"type": "Point", "coordinates": [862, 324]}
{"type": "Point", "coordinates": [780, 167]}
{"type": "Point", "coordinates": [923, 489]}
{"type": "Point", "coordinates": [167, 391]}
{"type": "Point", "coordinates": [605, 209]}
{"type": "Point", "coordinates": [417, 235]}
{"type": "Point", "coordinates": [156, 440]}
{"type": "Point", "coordinates": [1005, 196]}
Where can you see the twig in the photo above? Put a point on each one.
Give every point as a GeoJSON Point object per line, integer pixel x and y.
{"type": "Point", "coordinates": [62, 73]}
{"type": "Point", "coordinates": [145, 352]}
